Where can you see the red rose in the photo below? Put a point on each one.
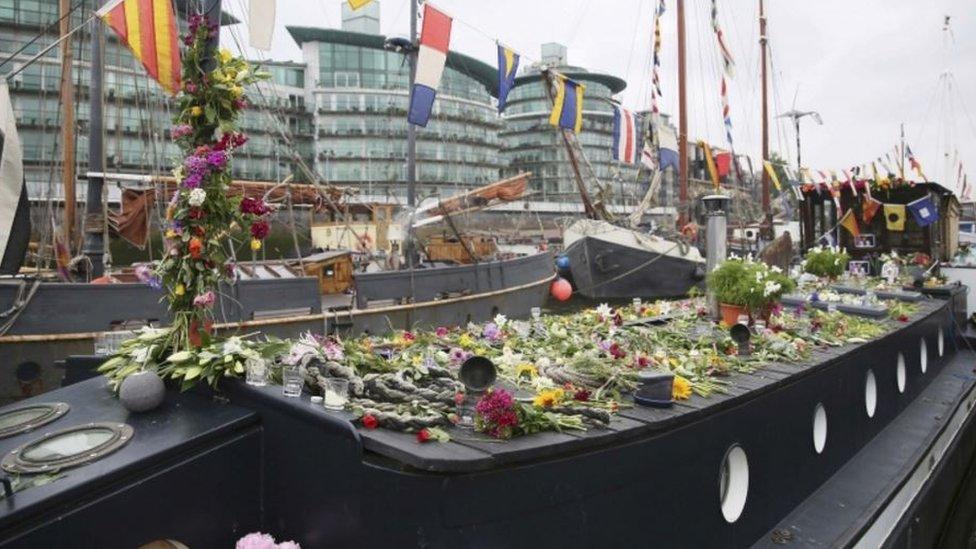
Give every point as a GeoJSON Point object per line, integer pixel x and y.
{"type": "Point", "coordinates": [459, 398]}
{"type": "Point", "coordinates": [196, 246]}
{"type": "Point", "coordinates": [370, 421]}
{"type": "Point", "coordinates": [582, 395]}
{"type": "Point", "coordinates": [903, 318]}
{"type": "Point", "coordinates": [260, 230]}
{"type": "Point", "coordinates": [423, 435]}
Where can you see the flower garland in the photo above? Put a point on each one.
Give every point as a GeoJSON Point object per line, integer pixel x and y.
{"type": "Point", "coordinates": [201, 216]}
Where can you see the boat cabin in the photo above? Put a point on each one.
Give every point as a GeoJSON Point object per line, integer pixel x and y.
{"type": "Point", "coordinates": [892, 227]}
{"type": "Point", "coordinates": [333, 270]}
{"type": "Point", "coordinates": [365, 228]}
{"type": "Point", "coordinates": [451, 249]}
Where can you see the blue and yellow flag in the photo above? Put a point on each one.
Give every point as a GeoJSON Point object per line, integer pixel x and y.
{"type": "Point", "coordinates": [567, 110]}
{"type": "Point", "coordinates": [508, 62]}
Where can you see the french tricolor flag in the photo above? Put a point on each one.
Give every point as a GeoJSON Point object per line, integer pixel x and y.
{"type": "Point", "coordinates": [626, 129]}
{"type": "Point", "coordinates": [435, 37]}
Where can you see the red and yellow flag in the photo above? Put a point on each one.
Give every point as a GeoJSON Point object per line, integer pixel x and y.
{"type": "Point", "coordinates": [849, 222]}
{"type": "Point", "coordinates": [148, 28]}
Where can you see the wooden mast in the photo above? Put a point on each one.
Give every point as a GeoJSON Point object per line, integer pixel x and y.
{"type": "Point", "coordinates": [765, 116]}
{"type": "Point", "coordinates": [67, 124]}
{"type": "Point", "coordinates": [682, 122]}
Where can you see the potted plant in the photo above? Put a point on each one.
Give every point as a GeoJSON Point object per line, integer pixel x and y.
{"type": "Point", "coordinates": [744, 286]}
{"type": "Point", "coordinates": [828, 262]}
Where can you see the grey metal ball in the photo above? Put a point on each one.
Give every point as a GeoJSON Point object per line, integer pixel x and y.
{"type": "Point", "coordinates": [142, 391]}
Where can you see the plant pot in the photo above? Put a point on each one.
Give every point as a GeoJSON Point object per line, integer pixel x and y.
{"type": "Point", "coordinates": [731, 313]}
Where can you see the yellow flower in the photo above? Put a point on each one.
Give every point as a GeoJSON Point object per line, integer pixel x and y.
{"type": "Point", "coordinates": [196, 111]}
{"type": "Point", "coordinates": [170, 233]}
{"type": "Point", "coordinates": [681, 389]}
{"type": "Point", "coordinates": [526, 369]}
{"type": "Point", "coordinates": [236, 92]}
{"type": "Point", "coordinates": [417, 360]}
{"type": "Point", "coordinates": [255, 244]}
{"type": "Point", "coordinates": [548, 398]}
{"type": "Point", "coordinates": [179, 290]}
{"type": "Point", "coordinates": [465, 341]}
{"type": "Point", "coordinates": [225, 55]}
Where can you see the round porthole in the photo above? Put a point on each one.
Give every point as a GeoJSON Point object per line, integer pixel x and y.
{"type": "Point", "coordinates": [69, 447]}
{"type": "Point", "coordinates": [27, 418]}
{"type": "Point", "coordinates": [900, 373]}
{"type": "Point", "coordinates": [819, 428]}
{"type": "Point", "coordinates": [734, 483]}
{"type": "Point", "coordinates": [870, 393]}
{"type": "Point", "coordinates": [923, 358]}
{"type": "Point", "coordinates": [941, 342]}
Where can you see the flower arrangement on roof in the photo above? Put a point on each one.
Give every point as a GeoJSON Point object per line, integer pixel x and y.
{"type": "Point", "coordinates": [748, 283]}
{"type": "Point", "coordinates": [826, 261]}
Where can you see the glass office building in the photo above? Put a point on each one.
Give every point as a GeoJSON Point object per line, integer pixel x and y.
{"type": "Point", "coordinates": [532, 144]}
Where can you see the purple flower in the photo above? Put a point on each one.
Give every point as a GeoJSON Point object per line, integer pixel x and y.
{"type": "Point", "coordinates": [491, 332]}
{"type": "Point", "coordinates": [195, 164]}
{"type": "Point", "coordinates": [441, 332]}
{"type": "Point", "coordinates": [458, 355]}
{"type": "Point", "coordinates": [193, 181]}
{"type": "Point", "coordinates": [145, 274]}
{"type": "Point", "coordinates": [814, 297]}
{"type": "Point", "coordinates": [217, 159]}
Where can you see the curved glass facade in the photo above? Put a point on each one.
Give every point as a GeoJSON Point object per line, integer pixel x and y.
{"type": "Point", "coordinates": [532, 144]}
{"type": "Point", "coordinates": [361, 94]}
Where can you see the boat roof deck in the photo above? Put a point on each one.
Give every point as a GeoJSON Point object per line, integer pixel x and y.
{"type": "Point", "coordinates": [469, 451]}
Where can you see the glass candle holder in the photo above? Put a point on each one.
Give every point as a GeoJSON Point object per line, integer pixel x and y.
{"type": "Point", "coordinates": [536, 312]}
{"type": "Point", "coordinates": [291, 381]}
{"type": "Point", "coordinates": [637, 303]}
{"type": "Point", "coordinates": [256, 371]}
{"type": "Point", "coordinates": [336, 393]}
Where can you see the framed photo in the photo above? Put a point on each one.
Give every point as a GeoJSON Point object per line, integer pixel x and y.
{"type": "Point", "coordinates": [859, 268]}
{"type": "Point", "coordinates": [865, 241]}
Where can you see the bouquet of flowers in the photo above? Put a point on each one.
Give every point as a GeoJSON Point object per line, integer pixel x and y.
{"type": "Point", "coordinates": [748, 283]}
{"type": "Point", "coordinates": [499, 415]}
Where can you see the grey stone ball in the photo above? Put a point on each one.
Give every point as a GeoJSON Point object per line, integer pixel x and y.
{"type": "Point", "coordinates": [142, 391]}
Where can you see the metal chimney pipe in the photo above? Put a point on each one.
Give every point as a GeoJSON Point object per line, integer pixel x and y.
{"type": "Point", "coordinates": [716, 250]}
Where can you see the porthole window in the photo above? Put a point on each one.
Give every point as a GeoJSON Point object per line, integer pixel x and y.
{"type": "Point", "coordinates": [900, 373]}
{"type": "Point", "coordinates": [870, 393]}
{"type": "Point", "coordinates": [25, 418]}
{"type": "Point", "coordinates": [734, 483]}
{"type": "Point", "coordinates": [819, 428]}
{"type": "Point", "coordinates": [941, 341]}
{"type": "Point", "coordinates": [69, 447]}
{"type": "Point", "coordinates": [923, 358]}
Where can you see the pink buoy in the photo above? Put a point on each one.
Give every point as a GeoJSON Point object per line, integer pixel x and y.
{"type": "Point", "coordinates": [561, 289]}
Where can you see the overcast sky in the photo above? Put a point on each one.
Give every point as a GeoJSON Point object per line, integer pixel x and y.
{"type": "Point", "coordinates": [866, 66]}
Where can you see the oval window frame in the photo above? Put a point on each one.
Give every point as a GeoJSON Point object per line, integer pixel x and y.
{"type": "Point", "coordinates": [54, 412]}
{"type": "Point", "coordinates": [14, 462]}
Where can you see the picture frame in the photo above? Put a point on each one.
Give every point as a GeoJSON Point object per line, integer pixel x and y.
{"type": "Point", "coordinates": [859, 268]}
{"type": "Point", "coordinates": [866, 240]}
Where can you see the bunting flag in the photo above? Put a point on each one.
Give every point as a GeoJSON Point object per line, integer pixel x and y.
{"type": "Point", "coordinates": [62, 254]}
{"type": "Point", "coordinates": [924, 211]}
{"type": "Point", "coordinates": [727, 61]}
{"type": "Point", "coordinates": [849, 222]}
{"type": "Point", "coordinates": [710, 163]}
{"type": "Point", "coordinates": [508, 62]}
{"type": "Point", "coordinates": [435, 38]}
{"type": "Point", "coordinates": [356, 4]}
{"type": "Point", "coordinates": [914, 163]}
{"type": "Point", "coordinates": [667, 147]}
{"type": "Point", "coordinates": [850, 182]}
{"type": "Point", "coordinates": [894, 217]}
{"type": "Point", "coordinates": [148, 28]}
{"type": "Point", "coordinates": [625, 135]}
{"type": "Point", "coordinates": [567, 109]}
{"type": "Point", "coordinates": [768, 166]}
{"type": "Point", "coordinates": [869, 208]}
{"type": "Point", "coordinates": [726, 113]}
{"type": "Point", "coordinates": [260, 23]}
{"type": "Point", "coordinates": [723, 163]}
{"type": "Point", "coordinates": [655, 77]}
{"type": "Point", "coordinates": [877, 177]}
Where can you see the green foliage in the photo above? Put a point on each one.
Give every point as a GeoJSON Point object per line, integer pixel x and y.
{"type": "Point", "coordinates": [748, 283]}
{"type": "Point", "coordinates": [829, 262]}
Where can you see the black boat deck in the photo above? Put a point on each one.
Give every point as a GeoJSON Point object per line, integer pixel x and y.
{"type": "Point", "coordinates": [469, 451]}
{"type": "Point", "coordinates": [180, 455]}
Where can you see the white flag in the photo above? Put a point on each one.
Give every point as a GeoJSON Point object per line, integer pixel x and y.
{"type": "Point", "coordinates": [261, 23]}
